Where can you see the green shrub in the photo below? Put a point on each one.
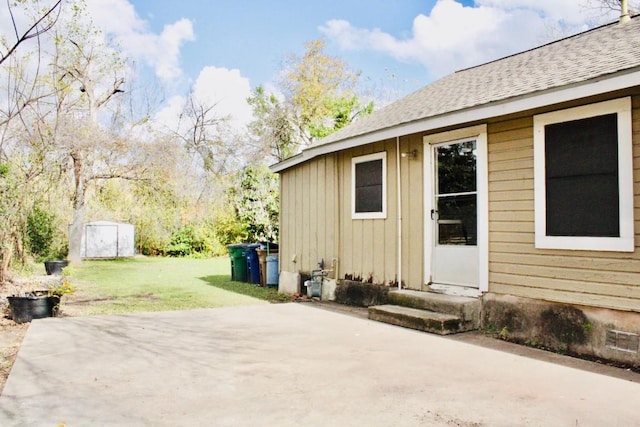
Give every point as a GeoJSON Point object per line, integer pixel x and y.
{"type": "Point", "coordinates": [229, 229]}
{"type": "Point", "coordinates": [151, 238]}
{"type": "Point", "coordinates": [43, 237]}
{"type": "Point", "coordinates": [255, 199]}
{"type": "Point", "coordinates": [188, 241]}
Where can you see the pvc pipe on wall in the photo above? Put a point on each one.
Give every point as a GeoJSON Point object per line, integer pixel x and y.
{"type": "Point", "coordinates": [399, 201]}
{"type": "Point", "coordinates": [624, 12]}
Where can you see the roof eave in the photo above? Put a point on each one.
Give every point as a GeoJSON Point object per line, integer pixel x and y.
{"type": "Point", "coordinates": [603, 84]}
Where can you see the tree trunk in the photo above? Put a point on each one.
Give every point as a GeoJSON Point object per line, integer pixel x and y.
{"type": "Point", "coordinates": [19, 246]}
{"type": "Point", "coordinates": [77, 222]}
{"type": "Point", "coordinates": [5, 261]}
{"type": "Point", "coordinates": [75, 235]}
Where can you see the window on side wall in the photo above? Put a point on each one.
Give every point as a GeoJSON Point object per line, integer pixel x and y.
{"type": "Point", "coordinates": [584, 178]}
{"type": "Point", "coordinates": [369, 186]}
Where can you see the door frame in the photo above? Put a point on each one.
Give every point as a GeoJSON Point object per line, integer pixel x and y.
{"type": "Point", "coordinates": [479, 133]}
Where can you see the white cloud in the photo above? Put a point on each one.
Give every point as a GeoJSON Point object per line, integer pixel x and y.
{"type": "Point", "coordinates": [168, 117]}
{"type": "Point", "coordinates": [228, 90]}
{"type": "Point", "coordinates": [118, 19]}
{"type": "Point", "coordinates": [560, 10]}
{"type": "Point", "coordinates": [224, 88]}
{"type": "Point", "coordinates": [168, 45]}
{"type": "Point", "coordinates": [454, 36]}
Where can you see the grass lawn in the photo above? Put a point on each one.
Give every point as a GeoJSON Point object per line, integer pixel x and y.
{"type": "Point", "coordinates": [158, 284]}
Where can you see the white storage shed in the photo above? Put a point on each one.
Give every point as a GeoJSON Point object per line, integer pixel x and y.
{"type": "Point", "coordinates": [107, 239]}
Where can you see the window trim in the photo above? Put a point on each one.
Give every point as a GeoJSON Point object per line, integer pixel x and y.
{"type": "Point", "coordinates": [624, 243]}
{"type": "Point", "coordinates": [363, 159]}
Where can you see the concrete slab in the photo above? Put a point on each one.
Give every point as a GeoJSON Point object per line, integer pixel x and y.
{"type": "Point", "coordinates": [466, 308]}
{"type": "Point", "coordinates": [422, 320]}
{"type": "Point", "coordinates": [289, 365]}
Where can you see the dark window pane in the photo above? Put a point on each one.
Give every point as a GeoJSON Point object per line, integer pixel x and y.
{"type": "Point", "coordinates": [457, 168]}
{"type": "Point", "coordinates": [368, 186]}
{"type": "Point", "coordinates": [582, 147]}
{"type": "Point", "coordinates": [583, 206]}
{"type": "Point", "coordinates": [369, 173]}
{"type": "Point", "coordinates": [369, 199]}
{"type": "Point", "coordinates": [457, 220]}
{"type": "Point", "coordinates": [581, 162]}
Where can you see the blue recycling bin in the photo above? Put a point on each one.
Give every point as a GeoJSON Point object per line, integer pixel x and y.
{"type": "Point", "coordinates": [253, 264]}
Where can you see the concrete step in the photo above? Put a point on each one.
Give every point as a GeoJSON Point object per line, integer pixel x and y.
{"type": "Point", "coordinates": [422, 320]}
{"type": "Point", "coordinates": [465, 308]}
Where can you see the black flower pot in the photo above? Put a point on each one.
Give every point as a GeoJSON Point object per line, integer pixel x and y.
{"type": "Point", "coordinates": [35, 305]}
{"type": "Point", "coordinates": [55, 267]}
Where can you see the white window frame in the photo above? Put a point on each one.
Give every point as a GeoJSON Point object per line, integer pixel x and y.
{"type": "Point", "coordinates": [624, 243]}
{"type": "Point", "coordinates": [363, 159]}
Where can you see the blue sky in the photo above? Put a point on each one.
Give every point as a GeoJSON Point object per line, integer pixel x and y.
{"type": "Point", "coordinates": [254, 36]}
{"type": "Point", "coordinates": [221, 50]}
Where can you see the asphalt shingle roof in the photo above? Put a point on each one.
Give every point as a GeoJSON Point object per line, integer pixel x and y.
{"type": "Point", "coordinates": [580, 58]}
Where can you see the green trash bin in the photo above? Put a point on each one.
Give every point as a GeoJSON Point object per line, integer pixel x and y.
{"type": "Point", "coordinates": [238, 262]}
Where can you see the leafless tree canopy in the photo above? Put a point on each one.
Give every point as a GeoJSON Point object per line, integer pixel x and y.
{"type": "Point", "coordinates": [605, 6]}
{"type": "Point", "coordinates": [42, 24]}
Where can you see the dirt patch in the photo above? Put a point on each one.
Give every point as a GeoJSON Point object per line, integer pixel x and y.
{"type": "Point", "coordinates": [147, 295]}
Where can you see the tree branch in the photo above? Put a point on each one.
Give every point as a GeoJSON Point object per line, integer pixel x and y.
{"type": "Point", "coordinates": [118, 175]}
{"type": "Point", "coordinates": [33, 31]}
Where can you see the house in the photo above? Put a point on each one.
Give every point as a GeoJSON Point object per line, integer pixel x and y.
{"type": "Point", "coordinates": [516, 182]}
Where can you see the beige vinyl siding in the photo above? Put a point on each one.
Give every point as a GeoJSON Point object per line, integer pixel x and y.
{"type": "Point", "coordinates": [309, 215]}
{"type": "Point", "coordinates": [316, 223]}
{"type": "Point", "coordinates": [605, 279]}
{"type": "Point", "coordinates": [364, 248]}
{"type": "Point", "coordinates": [413, 216]}
{"type": "Point", "coordinates": [369, 246]}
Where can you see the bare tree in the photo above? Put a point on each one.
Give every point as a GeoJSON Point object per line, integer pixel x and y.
{"type": "Point", "coordinates": [86, 76]}
{"type": "Point", "coordinates": [20, 84]}
{"type": "Point", "coordinates": [608, 6]}
{"type": "Point", "coordinates": [272, 125]}
{"type": "Point", "coordinates": [212, 146]}
{"type": "Point", "coordinates": [42, 24]}
{"type": "Point", "coordinates": [18, 176]}
{"type": "Point", "coordinates": [201, 130]}
{"type": "Point", "coordinates": [80, 145]}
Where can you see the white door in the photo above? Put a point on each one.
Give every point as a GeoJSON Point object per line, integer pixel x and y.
{"type": "Point", "coordinates": [454, 217]}
{"type": "Point", "coordinates": [101, 241]}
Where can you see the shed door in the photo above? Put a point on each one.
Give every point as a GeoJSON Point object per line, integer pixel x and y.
{"type": "Point", "coordinates": [101, 241]}
{"type": "Point", "coordinates": [454, 216]}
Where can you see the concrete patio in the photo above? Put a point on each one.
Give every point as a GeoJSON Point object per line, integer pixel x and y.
{"type": "Point", "coordinates": [290, 365]}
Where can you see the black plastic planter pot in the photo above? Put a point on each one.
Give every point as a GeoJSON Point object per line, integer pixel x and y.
{"type": "Point", "coordinates": [35, 306]}
{"type": "Point", "coordinates": [55, 267]}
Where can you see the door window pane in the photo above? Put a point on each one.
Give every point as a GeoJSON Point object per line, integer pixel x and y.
{"type": "Point", "coordinates": [457, 168]}
{"type": "Point", "coordinates": [456, 203]}
{"type": "Point", "coordinates": [457, 220]}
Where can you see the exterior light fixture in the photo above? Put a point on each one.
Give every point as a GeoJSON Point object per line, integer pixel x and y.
{"type": "Point", "coordinates": [411, 155]}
